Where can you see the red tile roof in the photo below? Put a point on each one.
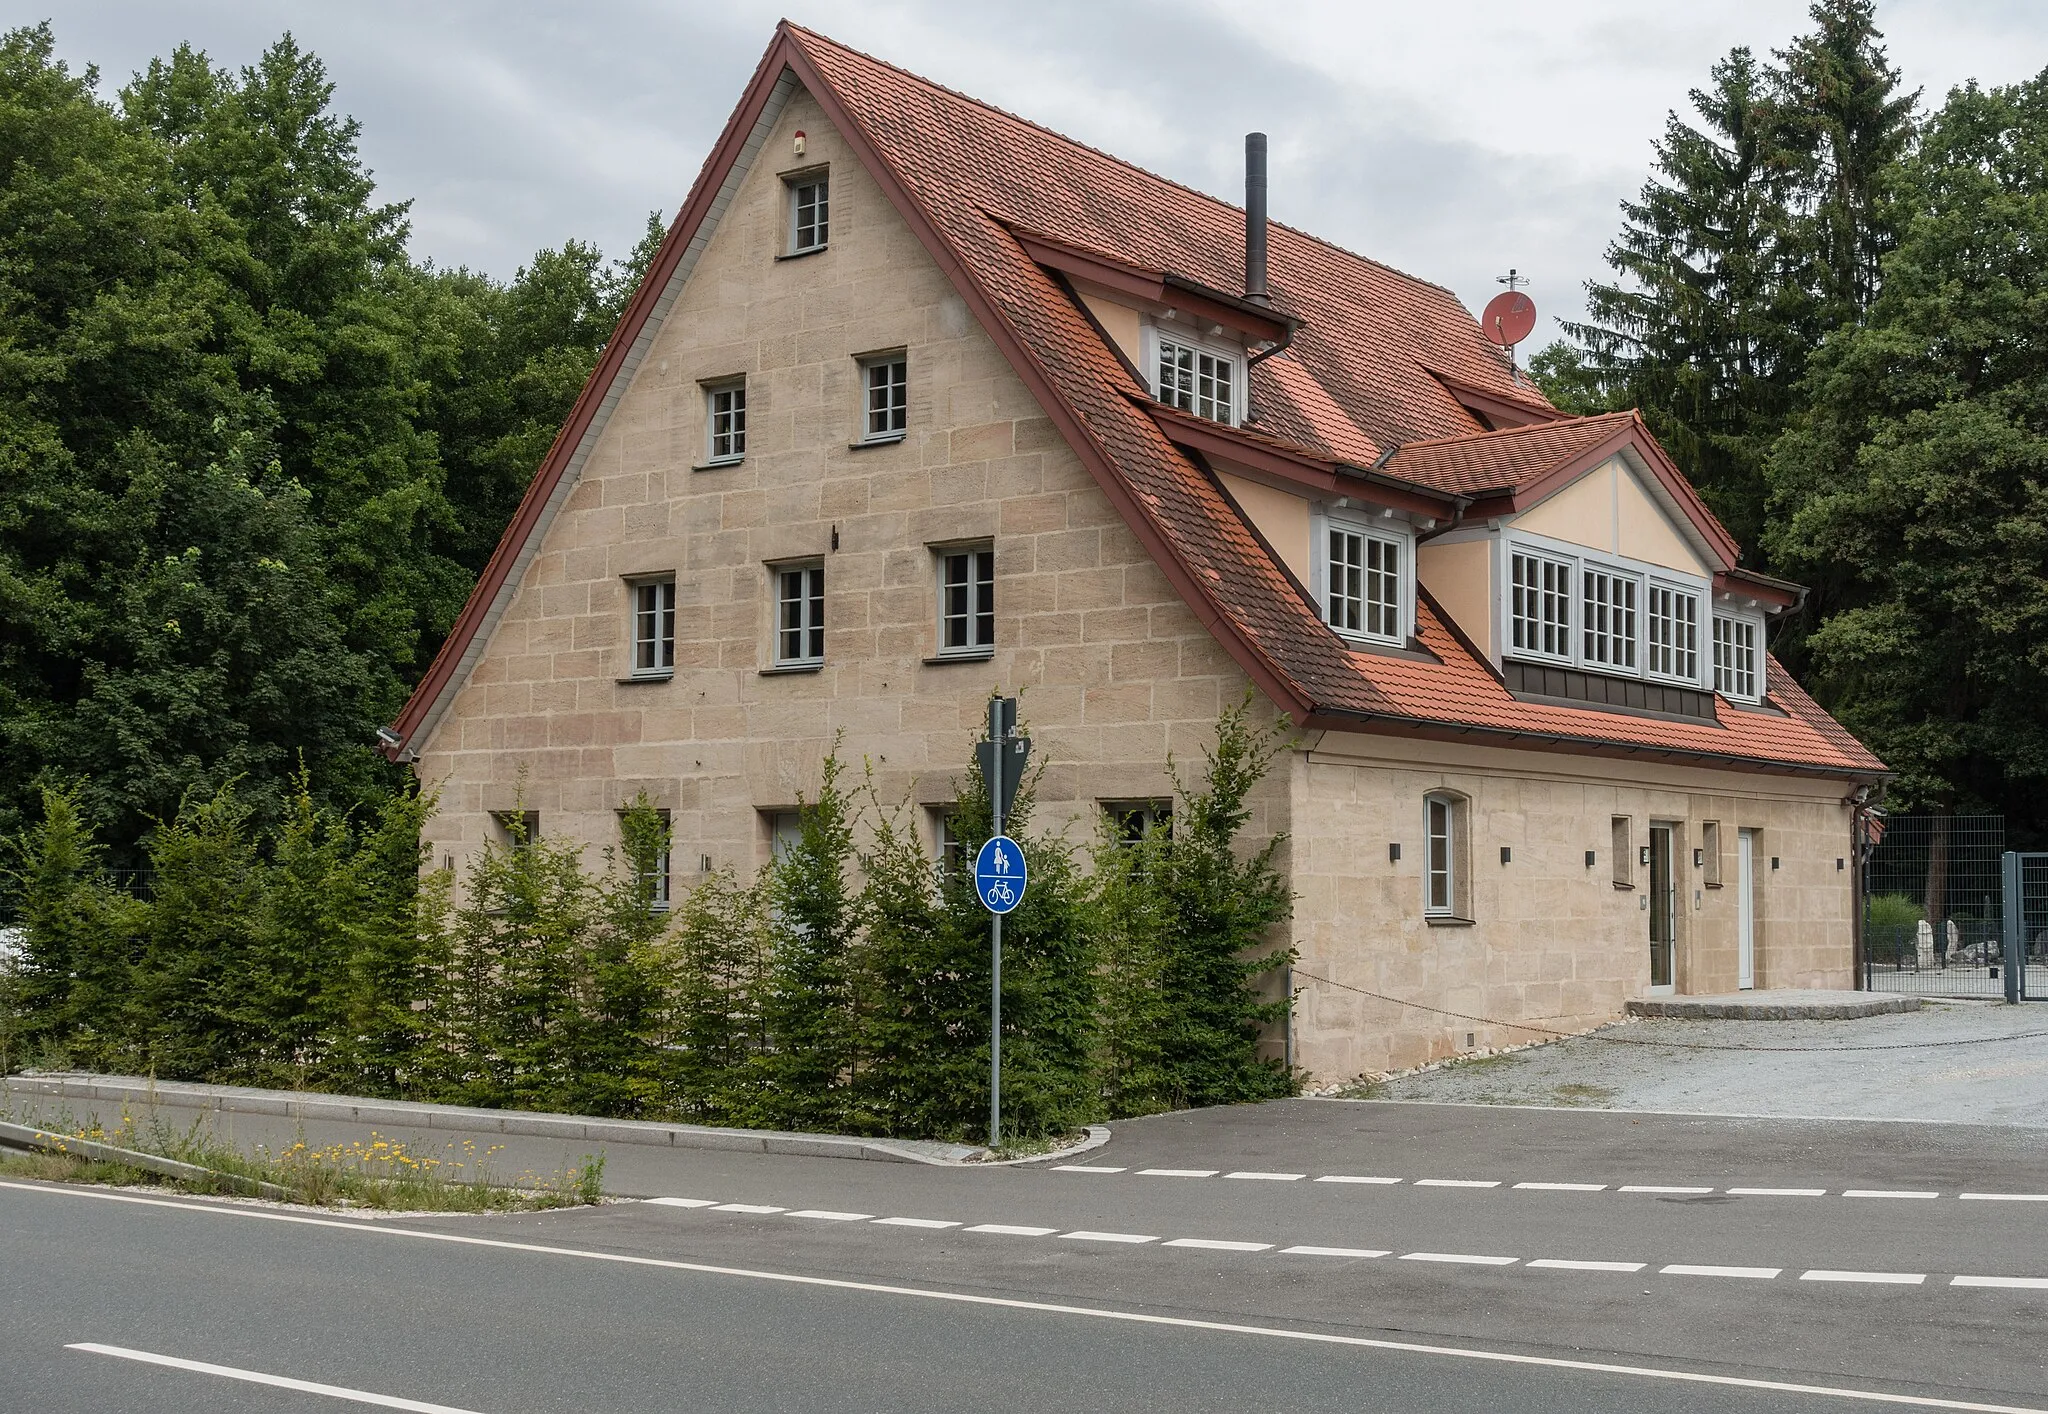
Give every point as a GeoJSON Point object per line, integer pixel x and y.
{"type": "Point", "coordinates": [1362, 379]}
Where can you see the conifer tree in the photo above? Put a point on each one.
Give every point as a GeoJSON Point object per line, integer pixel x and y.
{"type": "Point", "coordinates": [713, 964]}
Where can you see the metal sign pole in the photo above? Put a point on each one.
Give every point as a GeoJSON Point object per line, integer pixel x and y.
{"type": "Point", "coordinates": [995, 936]}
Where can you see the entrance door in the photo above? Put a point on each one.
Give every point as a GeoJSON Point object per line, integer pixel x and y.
{"type": "Point", "coordinates": [1663, 909]}
{"type": "Point", "coordinates": [1745, 910]}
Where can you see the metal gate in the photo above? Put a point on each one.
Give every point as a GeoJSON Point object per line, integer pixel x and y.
{"type": "Point", "coordinates": [1934, 907]}
{"type": "Point", "coordinates": [2024, 880]}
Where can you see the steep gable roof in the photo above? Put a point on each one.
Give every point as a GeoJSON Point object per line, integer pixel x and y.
{"type": "Point", "coordinates": [1373, 368]}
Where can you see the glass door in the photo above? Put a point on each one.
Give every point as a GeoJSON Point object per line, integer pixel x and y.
{"type": "Point", "coordinates": [1663, 910]}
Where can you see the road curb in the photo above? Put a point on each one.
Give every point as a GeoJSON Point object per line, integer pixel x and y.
{"type": "Point", "coordinates": [33, 1140]}
{"type": "Point", "coordinates": [303, 1105]}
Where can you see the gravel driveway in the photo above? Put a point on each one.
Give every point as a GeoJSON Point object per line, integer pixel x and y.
{"type": "Point", "coordinates": [1999, 1075]}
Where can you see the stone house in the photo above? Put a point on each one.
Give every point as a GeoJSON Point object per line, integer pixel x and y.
{"type": "Point", "coordinates": [919, 401]}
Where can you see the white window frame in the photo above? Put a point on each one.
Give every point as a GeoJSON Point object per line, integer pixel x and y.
{"type": "Point", "coordinates": [1611, 626]}
{"type": "Point", "coordinates": [725, 429]}
{"type": "Point", "coordinates": [1653, 649]}
{"type": "Point", "coordinates": [809, 619]}
{"type": "Point", "coordinates": [1329, 521]}
{"type": "Point", "coordinates": [1439, 865]}
{"type": "Point", "coordinates": [820, 225]}
{"type": "Point", "coordinates": [653, 626]}
{"type": "Point", "coordinates": [978, 611]}
{"type": "Point", "coordinates": [1550, 568]}
{"type": "Point", "coordinates": [889, 422]}
{"type": "Point", "coordinates": [1728, 677]}
{"type": "Point", "coordinates": [1647, 577]}
{"type": "Point", "coordinates": [1185, 336]}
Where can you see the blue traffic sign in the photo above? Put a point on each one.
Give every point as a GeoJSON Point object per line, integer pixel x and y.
{"type": "Point", "coordinates": [999, 874]}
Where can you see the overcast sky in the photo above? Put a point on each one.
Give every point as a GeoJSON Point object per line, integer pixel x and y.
{"type": "Point", "coordinates": [1451, 138]}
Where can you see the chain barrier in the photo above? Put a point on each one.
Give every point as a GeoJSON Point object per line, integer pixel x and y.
{"type": "Point", "coordinates": [1670, 1045]}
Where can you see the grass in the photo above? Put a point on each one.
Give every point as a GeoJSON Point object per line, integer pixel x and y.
{"type": "Point", "coordinates": [378, 1173]}
{"type": "Point", "coordinates": [1581, 1094]}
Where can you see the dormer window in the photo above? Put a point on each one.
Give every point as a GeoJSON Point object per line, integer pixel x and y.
{"type": "Point", "coordinates": [1633, 619]}
{"type": "Point", "coordinates": [1674, 633]}
{"type": "Point", "coordinates": [1540, 605]}
{"type": "Point", "coordinates": [1361, 575]}
{"type": "Point", "coordinates": [1735, 658]}
{"type": "Point", "coordinates": [1198, 378]}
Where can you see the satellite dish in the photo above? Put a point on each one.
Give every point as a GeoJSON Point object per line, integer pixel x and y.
{"type": "Point", "coordinates": [1509, 318]}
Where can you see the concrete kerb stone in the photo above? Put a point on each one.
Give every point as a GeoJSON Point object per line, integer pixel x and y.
{"type": "Point", "coordinates": [1775, 1006]}
{"type": "Point", "coordinates": [305, 1105]}
{"type": "Point", "coordinates": [33, 1140]}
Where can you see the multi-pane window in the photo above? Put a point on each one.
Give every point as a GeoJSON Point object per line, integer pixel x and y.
{"type": "Point", "coordinates": [799, 615]}
{"type": "Point", "coordinates": [654, 628]}
{"type": "Point", "coordinates": [1674, 646]}
{"type": "Point", "coordinates": [1197, 381]}
{"type": "Point", "coordinates": [655, 877]}
{"type": "Point", "coordinates": [887, 383]}
{"type": "Point", "coordinates": [952, 848]}
{"type": "Point", "coordinates": [1134, 819]}
{"type": "Point", "coordinates": [810, 214]}
{"type": "Point", "coordinates": [1540, 606]}
{"type": "Point", "coordinates": [1607, 610]}
{"type": "Point", "coordinates": [1439, 854]}
{"type": "Point", "coordinates": [1362, 584]}
{"type": "Point", "coordinates": [521, 827]}
{"type": "Point", "coordinates": [967, 601]}
{"type": "Point", "coordinates": [1735, 657]}
{"type": "Point", "coordinates": [728, 422]}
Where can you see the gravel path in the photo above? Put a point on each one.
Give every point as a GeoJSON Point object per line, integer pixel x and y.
{"type": "Point", "coordinates": [1991, 1081]}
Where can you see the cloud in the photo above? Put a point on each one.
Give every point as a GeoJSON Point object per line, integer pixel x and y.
{"type": "Point", "coordinates": [1451, 139]}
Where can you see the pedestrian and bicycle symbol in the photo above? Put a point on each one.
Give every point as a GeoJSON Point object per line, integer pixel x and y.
{"type": "Point", "coordinates": [999, 874]}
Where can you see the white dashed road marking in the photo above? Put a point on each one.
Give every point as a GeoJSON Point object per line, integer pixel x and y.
{"type": "Point", "coordinates": [1176, 1173]}
{"type": "Point", "coordinates": [1212, 1245]}
{"type": "Point", "coordinates": [1084, 1168]}
{"type": "Point", "coordinates": [913, 1222]}
{"type": "Point", "coordinates": [1131, 1237]}
{"type": "Point", "coordinates": [684, 1202]}
{"type": "Point", "coordinates": [2006, 1197]}
{"type": "Point", "coordinates": [1779, 1192]}
{"type": "Point", "coordinates": [1687, 1269]}
{"type": "Point", "coordinates": [1658, 1188]}
{"type": "Point", "coordinates": [1565, 1265]}
{"type": "Point", "coordinates": [1306, 1250]}
{"type": "Point", "coordinates": [1889, 1193]}
{"type": "Point", "coordinates": [826, 1215]}
{"type": "Point", "coordinates": [1469, 1258]}
{"type": "Point", "coordinates": [2022, 1283]}
{"type": "Point", "coordinates": [1276, 1177]}
{"type": "Point", "coordinates": [1457, 1183]}
{"type": "Point", "coordinates": [1875, 1278]}
{"type": "Point", "coordinates": [1566, 1187]}
{"type": "Point", "coordinates": [1012, 1230]}
{"type": "Point", "coordinates": [744, 1208]}
{"type": "Point", "coordinates": [1353, 1178]}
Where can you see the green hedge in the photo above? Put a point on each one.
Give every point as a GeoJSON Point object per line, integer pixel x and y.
{"type": "Point", "coordinates": [845, 988]}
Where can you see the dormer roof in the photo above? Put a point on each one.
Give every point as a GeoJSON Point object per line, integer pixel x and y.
{"type": "Point", "coordinates": [1380, 383]}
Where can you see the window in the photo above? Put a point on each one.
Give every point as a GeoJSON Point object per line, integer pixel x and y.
{"type": "Point", "coordinates": [1624, 849]}
{"type": "Point", "coordinates": [1362, 585]}
{"type": "Point", "coordinates": [1133, 818]}
{"type": "Point", "coordinates": [1440, 846]}
{"type": "Point", "coordinates": [946, 834]}
{"type": "Point", "coordinates": [1198, 381]}
{"type": "Point", "coordinates": [800, 615]}
{"type": "Point", "coordinates": [967, 602]}
{"type": "Point", "coordinates": [656, 876]}
{"type": "Point", "coordinates": [1608, 611]}
{"type": "Point", "coordinates": [1674, 649]}
{"type": "Point", "coordinates": [785, 832]}
{"type": "Point", "coordinates": [1540, 608]}
{"type": "Point", "coordinates": [886, 410]}
{"type": "Point", "coordinates": [521, 827]}
{"type": "Point", "coordinates": [728, 422]}
{"type": "Point", "coordinates": [810, 213]}
{"type": "Point", "coordinates": [654, 628]}
{"type": "Point", "coordinates": [1735, 672]}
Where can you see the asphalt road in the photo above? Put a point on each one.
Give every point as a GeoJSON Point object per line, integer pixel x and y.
{"type": "Point", "coordinates": [1096, 1289]}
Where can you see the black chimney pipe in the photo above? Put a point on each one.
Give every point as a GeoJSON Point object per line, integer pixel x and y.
{"type": "Point", "coordinates": [1255, 217]}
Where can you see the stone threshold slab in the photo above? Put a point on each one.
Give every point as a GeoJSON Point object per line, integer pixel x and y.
{"type": "Point", "coordinates": [1786, 1005]}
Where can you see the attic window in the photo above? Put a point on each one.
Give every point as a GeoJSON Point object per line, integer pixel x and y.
{"type": "Point", "coordinates": [1198, 380]}
{"type": "Point", "coordinates": [810, 213]}
{"type": "Point", "coordinates": [1735, 656]}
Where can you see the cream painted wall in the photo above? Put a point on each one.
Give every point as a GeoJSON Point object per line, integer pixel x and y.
{"type": "Point", "coordinates": [1281, 516]}
{"type": "Point", "coordinates": [1459, 575]}
{"type": "Point", "coordinates": [1609, 509]}
{"type": "Point", "coordinates": [1120, 322]}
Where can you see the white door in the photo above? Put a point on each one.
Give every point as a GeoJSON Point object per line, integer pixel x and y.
{"type": "Point", "coordinates": [1745, 910]}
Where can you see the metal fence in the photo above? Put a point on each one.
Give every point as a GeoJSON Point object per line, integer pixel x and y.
{"type": "Point", "coordinates": [1933, 914]}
